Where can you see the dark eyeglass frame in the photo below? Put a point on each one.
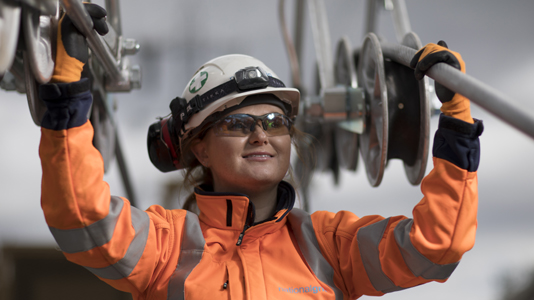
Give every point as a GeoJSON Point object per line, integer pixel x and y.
{"type": "Point", "coordinates": [246, 131]}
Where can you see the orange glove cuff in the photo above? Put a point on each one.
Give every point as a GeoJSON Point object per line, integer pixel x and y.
{"type": "Point", "coordinates": [459, 108]}
{"type": "Point", "coordinates": [67, 69]}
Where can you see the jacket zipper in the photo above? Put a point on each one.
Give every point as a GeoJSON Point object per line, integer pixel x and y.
{"type": "Point", "coordinates": [241, 235]}
{"type": "Point", "coordinates": [248, 222]}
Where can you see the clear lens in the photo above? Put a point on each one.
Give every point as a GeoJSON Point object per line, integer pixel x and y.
{"type": "Point", "coordinates": [276, 124]}
{"type": "Point", "coordinates": [234, 125]}
{"type": "Point", "coordinates": [252, 74]}
{"type": "Point", "coordinates": [242, 124]}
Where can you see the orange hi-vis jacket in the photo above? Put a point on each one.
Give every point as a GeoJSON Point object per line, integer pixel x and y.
{"type": "Point", "coordinates": [222, 254]}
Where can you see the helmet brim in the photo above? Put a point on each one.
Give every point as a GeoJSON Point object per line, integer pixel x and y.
{"type": "Point", "coordinates": [290, 96]}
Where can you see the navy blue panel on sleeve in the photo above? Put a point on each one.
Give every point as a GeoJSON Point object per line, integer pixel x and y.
{"type": "Point", "coordinates": [457, 142]}
{"type": "Point", "coordinates": [67, 104]}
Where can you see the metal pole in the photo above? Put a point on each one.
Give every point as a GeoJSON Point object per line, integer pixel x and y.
{"type": "Point", "coordinates": [400, 19]}
{"type": "Point", "coordinates": [114, 15]}
{"type": "Point", "coordinates": [290, 46]}
{"type": "Point", "coordinates": [322, 43]}
{"type": "Point", "coordinates": [492, 100]}
{"type": "Point", "coordinates": [371, 17]}
{"type": "Point", "coordinates": [83, 22]}
{"type": "Point", "coordinates": [125, 175]}
{"type": "Point", "coordinates": [298, 33]}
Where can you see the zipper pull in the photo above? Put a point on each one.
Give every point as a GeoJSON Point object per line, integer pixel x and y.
{"type": "Point", "coordinates": [248, 222]}
{"type": "Point", "coordinates": [225, 285]}
{"type": "Point", "coordinates": [240, 239]}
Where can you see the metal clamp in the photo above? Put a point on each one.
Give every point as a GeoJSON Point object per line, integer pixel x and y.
{"type": "Point", "coordinates": [344, 103]}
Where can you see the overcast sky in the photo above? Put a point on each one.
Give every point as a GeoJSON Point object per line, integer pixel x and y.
{"type": "Point", "coordinates": [494, 37]}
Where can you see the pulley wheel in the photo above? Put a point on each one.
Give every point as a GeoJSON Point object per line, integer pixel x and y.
{"type": "Point", "coordinates": [9, 35]}
{"type": "Point", "coordinates": [346, 141]}
{"type": "Point", "coordinates": [39, 35]}
{"type": "Point", "coordinates": [414, 154]}
{"type": "Point", "coordinates": [372, 79]}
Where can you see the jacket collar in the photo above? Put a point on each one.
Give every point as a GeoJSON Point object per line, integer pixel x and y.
{"type": "Point", "coordinates": [235, 211]}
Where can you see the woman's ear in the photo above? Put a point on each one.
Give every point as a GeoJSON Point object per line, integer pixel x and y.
{"type": "Point", "coordinates": [199, 149]}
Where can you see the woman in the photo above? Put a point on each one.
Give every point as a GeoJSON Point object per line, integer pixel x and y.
{"type": "Point", "coordinates": [233, 124]}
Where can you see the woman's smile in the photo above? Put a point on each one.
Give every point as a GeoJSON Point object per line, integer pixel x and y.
{"type": "Point", "coordinates": [258, 156]}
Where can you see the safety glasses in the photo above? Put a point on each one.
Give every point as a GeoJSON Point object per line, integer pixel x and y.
{"type": "Point", "coordinates": [242, 125]}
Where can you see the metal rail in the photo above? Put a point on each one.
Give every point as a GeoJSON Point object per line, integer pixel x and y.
{"type": "Point", "coordinates": [492, 100]}
{"type": "Point", "coordinates": [294, 62]}
{"type": "Point", "coordinates": [400, 19]}
{"type": "Point", "coordinates": [371, 20]}
{"type": "Point", "coordinates": [321, 39]}
{"type": "Point", "coordinates": [114, 16]}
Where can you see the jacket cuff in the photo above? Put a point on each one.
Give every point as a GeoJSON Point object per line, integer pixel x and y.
{"type": "Point", "coordinates": [460, 126]}
{"type": "Point", "coordinates": [63, 91]}
{"type": "Point", "coordinates": [457, 142]}
{"type": "Point", "coordinates": [68, 104]}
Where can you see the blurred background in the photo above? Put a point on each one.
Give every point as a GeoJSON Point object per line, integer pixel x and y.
{"type": "Point", "coordinates": [494, 37]}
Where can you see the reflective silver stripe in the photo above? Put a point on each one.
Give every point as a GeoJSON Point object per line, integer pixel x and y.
{"type": "Point", "coordinates": [125, 266]}
{"type": "Point", "coordinates": [191, 251]}
{"type": "Point", "coordinates": [302, 227]}
{"type": "Point", "coordinates": [94, 235]}
{"type": "Point", "coordinates": [417, 262]}
{"type": "Point", "coordinates": [368, 240]}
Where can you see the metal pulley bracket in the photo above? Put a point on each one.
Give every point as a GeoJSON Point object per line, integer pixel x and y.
{"type": "Point", "coordinates": [39, 35]}
{"type": "Point", "coordinates": [120, 48]}
{"type": "Point", "coordinates": [131, 75]}
{"type": "Point", "coordinates": [346, 106]}
{"type": "Point", "coordinates": [343, 103]}
{"type": "Point", "coordinates": [335, 119]}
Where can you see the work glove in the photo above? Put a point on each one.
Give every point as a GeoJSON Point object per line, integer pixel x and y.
{"type": "Point", "coordinates": [72, 52]}
{"type": "Point", "coordinates": [453, 104]}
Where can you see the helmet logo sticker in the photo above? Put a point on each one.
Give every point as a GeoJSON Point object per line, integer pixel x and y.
{"type": "Point", "coordinates": [198, 82]}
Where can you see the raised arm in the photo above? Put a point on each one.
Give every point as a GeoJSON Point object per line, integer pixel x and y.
{"type": "Point", "coordinates": [124, 246]}
{"type": "Point", "coordinates": [375, 255]}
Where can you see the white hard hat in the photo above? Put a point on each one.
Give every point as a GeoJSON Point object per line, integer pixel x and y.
{"type": "Point", "coordinates": [226, 81]}
{"type": "Point", "coordinates": [220, 85]}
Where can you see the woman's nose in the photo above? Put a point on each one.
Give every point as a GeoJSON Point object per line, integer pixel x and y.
{"type": "Point", "coordinates": [258, 135]}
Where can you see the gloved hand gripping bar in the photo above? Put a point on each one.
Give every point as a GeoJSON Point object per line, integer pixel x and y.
{"type": "Point", "coordinates": [82, 20]}
{"type": "Point", "coordinates": [490, 99]}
